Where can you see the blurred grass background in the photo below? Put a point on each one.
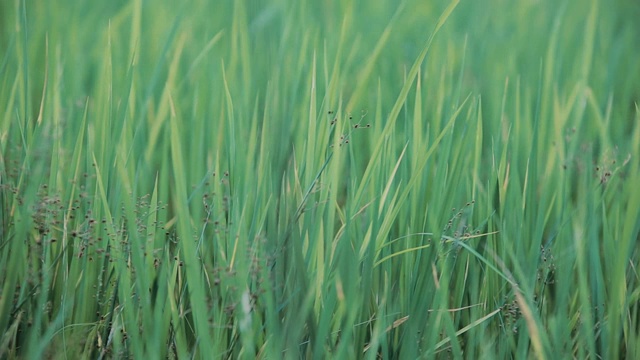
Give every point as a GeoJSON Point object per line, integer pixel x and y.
{"type": "Point", "coordinates": [319, 179]}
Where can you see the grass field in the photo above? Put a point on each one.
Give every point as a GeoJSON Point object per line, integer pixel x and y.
{"type": "Point", "coordinates": [319, 179]}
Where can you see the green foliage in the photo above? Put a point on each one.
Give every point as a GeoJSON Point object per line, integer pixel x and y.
{"type": "Point", "coordinates": [319, 179]}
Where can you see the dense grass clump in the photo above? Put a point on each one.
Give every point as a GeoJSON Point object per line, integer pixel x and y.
{"type": "Point", "coordinates": [319, 179]}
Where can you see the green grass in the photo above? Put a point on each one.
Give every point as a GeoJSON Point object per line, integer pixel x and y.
{"type": "Point", "coordinates": [321, 179]}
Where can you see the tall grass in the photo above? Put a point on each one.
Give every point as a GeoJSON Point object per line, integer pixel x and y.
{"type": "Point", "coordinates": [337, 179]}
